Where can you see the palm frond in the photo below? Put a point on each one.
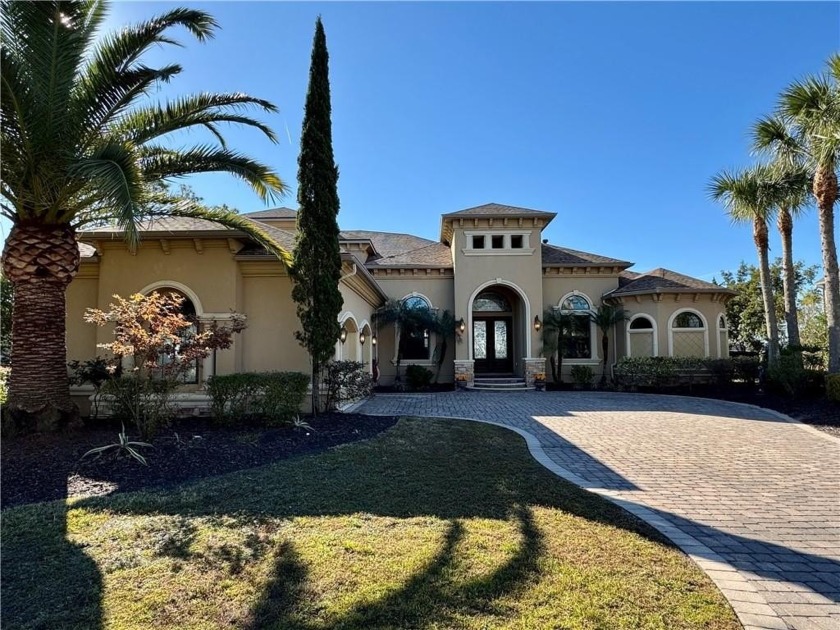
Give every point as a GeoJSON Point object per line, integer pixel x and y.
{"type": "Point", "coordinates": [207, 110]}
{"type": "Point", "coordinates": [226, 218]}
{"type": "Point", "coordinates": [747, 195]}
{"type": "Point", "coordinates": [206, 159]}
{"type": "Point", "coordinates": [113, 171]}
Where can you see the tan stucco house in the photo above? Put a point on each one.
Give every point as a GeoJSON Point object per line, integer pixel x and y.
{"type": "Point", "coordinates": [490, 268]}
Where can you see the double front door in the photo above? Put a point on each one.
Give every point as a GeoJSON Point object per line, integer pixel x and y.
{"type": "Point", "coordinates": [492, 345]}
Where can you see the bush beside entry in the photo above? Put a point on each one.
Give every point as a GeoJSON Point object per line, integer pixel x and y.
{"type": "Point", "coordinates": [275, 397]}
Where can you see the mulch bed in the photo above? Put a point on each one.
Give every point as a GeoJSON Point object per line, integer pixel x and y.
{"type": "Point", "coordinates": [44, 467]}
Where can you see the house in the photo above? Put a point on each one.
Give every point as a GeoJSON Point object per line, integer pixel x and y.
{"type": "Point", "coordinates": [491, 269]}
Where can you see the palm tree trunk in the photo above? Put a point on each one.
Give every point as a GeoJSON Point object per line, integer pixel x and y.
{"type": "Point", "coordinates": [785, 225]}
{"type": "Point", "coordinates": [605, 348]}
{"type": "Point", "coordinates": [825, 191]}
{"type": "Point", "coordinates": [40, 261]}
{"type": "Point", "coordinates": [762, 247]}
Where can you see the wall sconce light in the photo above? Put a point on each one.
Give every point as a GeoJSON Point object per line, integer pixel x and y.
{"type": "Point", "coordinates": [373, 340]}
{"type": "Point", "coordinates": [462, 326]}
{"type": "Point", "coordinates": [362, 338]}
{"type": "Point", "coordinates": [342, 337]}
{"type": "Point", "coordinates": [537, 323]}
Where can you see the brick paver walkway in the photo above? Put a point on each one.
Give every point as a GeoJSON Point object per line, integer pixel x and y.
{"type": "Point", "coordinates": [755, 500]}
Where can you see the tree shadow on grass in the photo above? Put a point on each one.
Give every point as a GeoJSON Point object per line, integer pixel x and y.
{"type": "Point", "coordinates": [48, 581]}
{"type": "Point", "coordinates": [442, 469]}
{"type": "Point", "coordinates": [429, 596]}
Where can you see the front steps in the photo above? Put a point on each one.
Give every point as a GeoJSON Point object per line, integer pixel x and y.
{"type": "Point", "coordinates": [499, 384]}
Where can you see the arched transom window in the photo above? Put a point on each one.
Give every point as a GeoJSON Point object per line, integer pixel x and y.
{"type": "Point", "coordinates": [688, 335]}
{"type": "Point", "coordinates": [641, 337]}
{"type": "Point", "coordinates": [489, 301]}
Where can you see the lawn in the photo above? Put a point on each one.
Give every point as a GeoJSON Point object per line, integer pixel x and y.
{"type": "Point", "coordinates": [434, 524]}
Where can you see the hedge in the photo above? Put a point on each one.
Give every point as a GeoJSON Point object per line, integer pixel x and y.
{"type": "Point", "coordinates": [274, 397]}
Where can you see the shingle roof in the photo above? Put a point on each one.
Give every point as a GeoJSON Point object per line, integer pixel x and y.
{"type": "Point", "coordinates": [272, 213]}
{"type": "Point", "coordinates": [666, 281]}
{"type": "Point", "coordinates": [174, 225]}
{"type": "Point", "coordinates": [563, 256]}
{"type": "Point", "coordinates": [389, 244]}
{"type": "Point", "coordinates": [498, 210]}
{"type": "Point", "coordinates": [433, 255]}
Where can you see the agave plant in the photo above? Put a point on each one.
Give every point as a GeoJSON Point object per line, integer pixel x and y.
{"type": "Point", "coordinates": [123, 446]}
{"type": "Point", "coordinates": [83, 144]}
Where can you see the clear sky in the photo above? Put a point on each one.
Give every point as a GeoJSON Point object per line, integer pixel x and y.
{"type": "Point", "coordinates": [612, 115]}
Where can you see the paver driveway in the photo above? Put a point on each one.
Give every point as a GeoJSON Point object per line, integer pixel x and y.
{"type": "Point", "coordinates": [754, 499]}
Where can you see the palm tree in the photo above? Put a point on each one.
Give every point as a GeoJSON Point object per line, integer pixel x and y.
{"type": "Point", "coordinates": [407, 320]}
{"type": "Point", "coordinates": [82, 144]}
{"type": "Point", "coordinates": [748, 197]}
{"type": "Point", "coordinates": [555, 327]}
{"type": "Point", "coordinates": [605, 318]}
{"type": "Point", "coordinates": [774, 135]}
{"type": "Point", "coordinates": [443, 325]}
{"type": "Point", "coordinates": [811, 108]}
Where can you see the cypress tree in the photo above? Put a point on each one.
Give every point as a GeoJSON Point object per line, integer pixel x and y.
{"type": "Point", "coordinates": [317, 267]}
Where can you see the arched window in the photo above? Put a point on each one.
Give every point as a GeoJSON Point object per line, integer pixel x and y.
{"type": "Point", "coordinates": [490, 301]}
{"type": "Point", "coordinates": [187, 309]}
{"type": "Point", "coordinates": [415, 339]}
{"type": "Point", "coordinates": [577, 331]}
{"type": "Point", "coordinates": [688, 336]}
{"type": "Point", "coordinates": [641, 337]}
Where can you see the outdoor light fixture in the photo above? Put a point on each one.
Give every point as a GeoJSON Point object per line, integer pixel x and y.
{"type": "Point", "coordinates": [343, 335]}
{"type": "Point", "coordinates": [362, 337]}
{"type": "Point", "coordinates": [537, 323]}
{"type": "Point", "coordinates": [373, 340]}
{"type": "Point", "coordinates": [462, 326]}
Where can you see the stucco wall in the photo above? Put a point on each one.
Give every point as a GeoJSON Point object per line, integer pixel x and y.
{"type": "Point", "coordinates": [436, 288]}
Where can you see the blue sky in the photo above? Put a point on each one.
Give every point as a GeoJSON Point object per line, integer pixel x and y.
{"type": "Point", "coordinates": [612, 115]}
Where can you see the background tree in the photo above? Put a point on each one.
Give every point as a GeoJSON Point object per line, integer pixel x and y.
{"type": "Point", "coordinates": [81, 144]}
{"type": "Point", "coordinates": [774, 135]}
{"type": "Point", "coordinates": [605, 318]}
{"type": "Point", "coordinates": [748, 197]}
{"type": "Point", "coordinates": [745, 311]}
{"type": "Point", "coordinates": [317, 268]}
{"type": "Point", "coordinates": [810, 109]}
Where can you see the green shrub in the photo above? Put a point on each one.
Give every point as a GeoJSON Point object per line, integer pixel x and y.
{"type": "Point", "coordinates": [145, 402]}
{"type": "Point", "coordinates": [275, 397]}
{"type": "Point", "coordinates": [788, 376]}
{"type": "Point", "coordinates": [4, 390]}
{"type": "Point", "coordinates": [645, 371]}
{"type": "Point", "coordinates": [418, 377]}
{"type": "Point", "coordinates": [722, 370]}
{"type": "Point", "coordinates": [582, 375]}
{"type": "Point", "coordinates": [234, 397]}
{"type": "Point", "coordinates": [283, 396]}
{"type": "Point", "coordinates": [746, 368]}
{"type": "Point", "coordinates": [832, 387]}
{"type": "Point", "coordinates": [346, 381]}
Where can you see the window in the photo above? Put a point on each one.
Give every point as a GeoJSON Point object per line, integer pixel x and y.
{"type": "Point", "coordinates": [688, 335]}
{"type": "Point", "coordinates": [577, 332]}
{"type": "Point", "coordinates": [723, 338]}
{"type": "Point", "coordinates": [478, 242]}
{"type": "Point", "coordinates": [489, 301]}
{"type": "Point", "coordinates": [498, 241]}
{"type": "Point", "coordinates": [190, 376]}
{"type": "Point", "coordinates": [414, 338]}
{"type": "Point", "coordinates": [688, 320]}
{"type": "Point", "coordinates": [517, 242]}
{"type": "Point", "coordinates": [641, 339]}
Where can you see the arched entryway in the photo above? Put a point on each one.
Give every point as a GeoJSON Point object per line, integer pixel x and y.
{"type": "Point", "coordinates": [498, 340]}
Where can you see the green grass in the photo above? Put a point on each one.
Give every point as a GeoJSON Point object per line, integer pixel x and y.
{"type": "Point", "coordinates": [435, 524]}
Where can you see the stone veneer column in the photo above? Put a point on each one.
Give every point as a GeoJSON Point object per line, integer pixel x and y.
{"type": "Point", "coordinates": [532, 368]}
{"type": "Point", "coordinates": [465, 366]}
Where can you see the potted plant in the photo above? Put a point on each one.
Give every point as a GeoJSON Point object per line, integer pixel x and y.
{"type": "Point", "coordinates": [462, 380]}
{"type": "Point", "coordinates": [539, 381]}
